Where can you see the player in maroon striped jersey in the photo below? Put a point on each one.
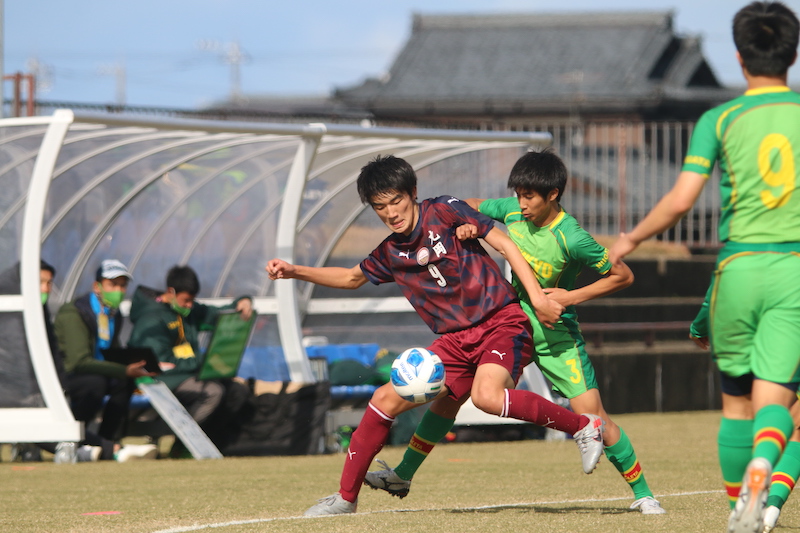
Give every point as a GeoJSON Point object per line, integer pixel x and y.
{"type": "Point", "coordinates": [460, 292]}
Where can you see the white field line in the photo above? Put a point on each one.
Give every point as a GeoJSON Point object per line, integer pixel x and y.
{"type": "Point", "coordinates": [199, 527]}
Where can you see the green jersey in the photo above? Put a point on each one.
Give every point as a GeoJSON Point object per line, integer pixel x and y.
{"type": "Point", "coordinates": [756, 140]}
{"type": "Point", "coordinates": [557, 252]}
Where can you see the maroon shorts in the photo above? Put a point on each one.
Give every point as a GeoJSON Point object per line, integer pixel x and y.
{"type": "Point", "coordinates": [504, 339]}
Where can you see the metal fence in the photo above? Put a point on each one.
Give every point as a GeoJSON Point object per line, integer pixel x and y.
{"type": "Point", "coordinates": [618, 171]}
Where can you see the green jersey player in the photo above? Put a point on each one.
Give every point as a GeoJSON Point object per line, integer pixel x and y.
{"type": "Point", "coordinates": [787, 470]}
{"type": "Point", "coordinates": [557, 249]}
{"type": "Point", "coordinates": [754, 310]}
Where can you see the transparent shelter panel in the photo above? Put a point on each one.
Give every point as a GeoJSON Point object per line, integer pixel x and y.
{"type": "Point", "coordinates": [18, 385]}
{"type": "Point", "coordinates": [245, 271]}
{"type": "Point", "coordinates": [15, 174]}
{"type": "Point", "coordinates": [19, 143]}
{"type": "Point", "coordinates": [478, 174]}
{"type": "Point", "coordinates": [10, 236]}
{"type": "Point", "coordinates": [84, 220]}
{"type": "Point", "coordinates": [86, 161]}
{"type": "Point", "coordinates": [324, 229]}
{"type": "Point", "coordinates": [264, 358]}
{"type": "Point", "coordinates": [330, 200]}
{"type": "Point", "coordinates": [265, 331]}
{"type": "Point", "coordinates": [243, 201]}
{"type": "Point", "coordinates": [14, 182]}
{"type": "Point", "coordinates": [150, 188]}
{"type": "Point", "coordinates": [340, 164]}
{"type": "Point", "coordinates": [392, 331]}
{"type": "Point", "coordinates": [336, 229]}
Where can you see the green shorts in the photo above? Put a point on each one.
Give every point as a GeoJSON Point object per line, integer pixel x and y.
{"type": "Point", "coordinates": [755, 316]}
{"type": "Point", "coordinates": [562, 358]}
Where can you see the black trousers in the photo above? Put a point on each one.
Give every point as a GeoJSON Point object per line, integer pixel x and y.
{"type": "Point", "coordinates": [86, 393]}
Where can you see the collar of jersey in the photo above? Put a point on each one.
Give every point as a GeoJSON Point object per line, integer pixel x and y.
{"type": "Point", "coordinates": [558, 218]}
{"type": "Point", "coordinates": [770, 89]}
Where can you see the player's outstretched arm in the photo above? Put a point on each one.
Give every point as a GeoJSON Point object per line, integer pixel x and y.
{"type": "Point", "coordinates": [336, 277]}
{"type": "Point", "coordinates": [547, 311]}
{"type": "Point", "coordinates": [666, 213]}
{"type": "Point", "coordinates": [618, 278]}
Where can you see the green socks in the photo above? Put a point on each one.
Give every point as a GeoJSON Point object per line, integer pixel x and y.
{"type": "Point", "coordinates": [735, 444]}
{"type": "Point", "coordinates": [785, 475]}
{"type": "Point", "coordinates": [742, 440]}
{"type": "Point", "coordinates": [623, 457]}
{"type": "Point", "coordinates": [431, 429]}
{"type": "Point", "coordinates": [772, 428]}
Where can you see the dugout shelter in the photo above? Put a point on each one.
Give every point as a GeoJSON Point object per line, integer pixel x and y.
{"type": "Point", "coordinates": [223, 197]}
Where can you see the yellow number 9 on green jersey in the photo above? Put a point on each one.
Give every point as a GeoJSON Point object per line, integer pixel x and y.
{"type": "Point", "coordinates": [783, 177]}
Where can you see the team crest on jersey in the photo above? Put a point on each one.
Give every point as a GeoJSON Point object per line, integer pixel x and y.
{"type": "Point", "coordinates": [423, 256]}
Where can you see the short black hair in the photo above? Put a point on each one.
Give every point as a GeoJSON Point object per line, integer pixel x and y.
{"type": "Point", "coordinates": [766, 37]}
{"type": "Point", "coordinates": [385, 174]}
{"type": "Point", "coordinates": [44, 265]}
{"type": "Point", "coordinates": [183, 278]}
{"type": "Point", "coordinates": [540, 172]}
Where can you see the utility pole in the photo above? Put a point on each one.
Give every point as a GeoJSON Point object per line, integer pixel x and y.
{"type": "Point", "coordinates": [232, 54]}
{"type": "Point", "coordinates": [119, 72]}
{"type": "Point", "coordinates": [42, 73]}
{"type": "Point", "coordinates": [234, 57]}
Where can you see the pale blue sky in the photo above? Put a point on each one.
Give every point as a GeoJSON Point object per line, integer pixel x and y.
{"type": "Point", "coordinates": [296, 47]}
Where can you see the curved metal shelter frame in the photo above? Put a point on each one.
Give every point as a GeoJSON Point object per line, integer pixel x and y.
{"type": "Point", "coordinates": [224, 197]}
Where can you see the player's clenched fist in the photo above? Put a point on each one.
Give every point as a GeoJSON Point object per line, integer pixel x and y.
{"type": "Point", "coordinates": [278, 268]}
{"type": "Point", "coordinates": [467, 231]}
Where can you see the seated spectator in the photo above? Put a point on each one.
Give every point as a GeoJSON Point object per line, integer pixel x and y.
{"type": "Point", "coordinates": [169, 322]}
{"type": "Point", "coordinates": [84, 328]}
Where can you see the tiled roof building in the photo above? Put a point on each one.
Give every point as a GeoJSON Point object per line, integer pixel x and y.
{"type": "Point", "coordinates": [626, 65]}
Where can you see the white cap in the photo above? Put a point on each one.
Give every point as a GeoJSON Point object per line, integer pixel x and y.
{"type": "Point", "coordinates": [112, 269]}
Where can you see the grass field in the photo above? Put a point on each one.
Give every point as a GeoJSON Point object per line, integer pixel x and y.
{"type": "Point", "coordinates": [508, 486]}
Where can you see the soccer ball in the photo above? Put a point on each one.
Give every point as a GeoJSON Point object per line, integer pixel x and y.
{"type": "Point", "coordinates": [417, 375]}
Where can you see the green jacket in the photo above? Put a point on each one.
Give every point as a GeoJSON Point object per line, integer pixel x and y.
{"type": "Point", "coordinates": [157, 326]}
{"type": "Point", "coordinates": [76, 331]}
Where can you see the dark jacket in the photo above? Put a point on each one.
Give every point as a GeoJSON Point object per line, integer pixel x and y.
{"type": "Point", "coordinates": [76, 330]}
{"type": "Point", "coordinates": [55, 351]}
{"type": "Point", "coordinates": [157, 326]}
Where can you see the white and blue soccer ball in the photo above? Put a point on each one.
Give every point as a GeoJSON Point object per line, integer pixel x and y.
{"type": "Point", "coordinates": [418, 375]}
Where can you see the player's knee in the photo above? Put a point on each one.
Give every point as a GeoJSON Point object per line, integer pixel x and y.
{"type": "Point", "coordinates": [488, 400]}
{"type": "Point", "coordinates": [388, 401]}
{"type": "Point", "coordinates": [380, 395]}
